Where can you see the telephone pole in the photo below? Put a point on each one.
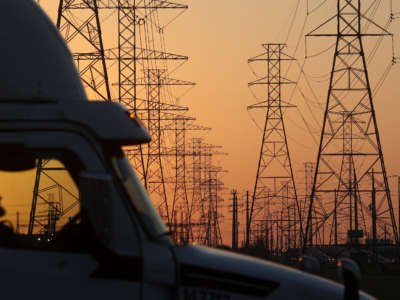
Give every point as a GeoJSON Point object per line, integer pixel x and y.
{"type": "Point", "coordinates": [234, 220]}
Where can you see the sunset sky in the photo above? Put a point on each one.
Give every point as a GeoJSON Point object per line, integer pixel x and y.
{"type": "Point", "coordinates": [220, 35]}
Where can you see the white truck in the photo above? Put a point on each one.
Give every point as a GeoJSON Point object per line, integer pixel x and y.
{"type": "Point", "coordinates": [114, 245]}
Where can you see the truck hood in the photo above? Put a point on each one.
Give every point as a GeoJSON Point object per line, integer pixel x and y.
{"type": "Point", "coordinates": [234, 274]}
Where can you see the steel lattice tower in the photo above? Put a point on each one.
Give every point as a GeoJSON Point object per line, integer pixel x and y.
{"type": "Point", "coordinates": [198, 209]}
{"type": "Point", "coordinates": [134, 18]}
{"type": "Point", "coordinates": [150, 159]}
{"type": "Point", "coordinates": [79, 24]}
{"type": "Point", "coordinates": [274, 182]}
{"type": "Point", "coordinates": [182, 205]}
{"type": "Point", "coordinates": [52, 200]}
{"type": "Point", "coordinates": [180, 201]}
{"type": "Point", "coordinates": [212, 186]}
{"type": "Point", "coordinates": [350, 168]}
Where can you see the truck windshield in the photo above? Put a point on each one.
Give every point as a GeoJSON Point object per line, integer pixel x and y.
{"type": "Point", "coordinates": [140, 199]}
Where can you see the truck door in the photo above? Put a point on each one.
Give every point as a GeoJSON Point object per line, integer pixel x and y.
{"type": "Point", "coordinates": [159, 266]}
{"type": "Point", "coordinates": [48, 247]}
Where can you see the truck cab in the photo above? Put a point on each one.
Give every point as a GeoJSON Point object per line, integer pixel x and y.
{"type": "Point", "coordinates": [75, 220]}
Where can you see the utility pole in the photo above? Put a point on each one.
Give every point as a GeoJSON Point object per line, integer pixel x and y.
{"type": "Point", "coordinates": [373, 208]}
{"type": "Point", "coordinates": [398, 214]}
{"type": "Point", "coordinates": [294, 229]}
{"type": "Point", "coordinates": [398, 204]}
{"type": "Point", "coordinates": [281, 232]}
{"type": "Point", "coordinates": [247, 220]}
{"type": "Point", "coordinates": [289, 227]}
{"type": "Point", "coordinates": [335, 219]}
{"type": "Point", "coordinates": [349, 121]}
{"type": "Point", "coordinates": [17, 227]}
{"type": "Point", "coordinates": [309, 169]}
{"type": "Point", "coordinates": [234, 221]}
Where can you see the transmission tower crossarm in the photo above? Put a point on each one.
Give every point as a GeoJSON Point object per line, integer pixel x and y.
{"type": "Point", "coordinates": [158, 55]}
{"type": "Point", "coordinates": [351, 31]}
{"type": "Point", "coordinates": [265, 104]}
{"type": "Point", "coordinates": [144, 54]}
{"type": "Point", "coordinates": [163, 81]}
{"type": "Point", "coordinates": [268, 81]}
{"type": "Point", "coordinates": [117, 4]}
{"type": "Point", "coordinates": [267, 57]}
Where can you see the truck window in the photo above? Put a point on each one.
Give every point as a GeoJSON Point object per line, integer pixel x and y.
{"type": "Point", "coordinates": [139, 199]}
{"type": "Point", "coordinates": [39, 207]}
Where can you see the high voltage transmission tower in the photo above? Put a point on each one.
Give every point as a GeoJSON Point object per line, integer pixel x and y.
{"type": "Point", "coordinates": [149, 159]}
{"type": "Point", "coordinates": [79, 24]}
{"type": "Point", "coordinates": [158, 115]}
{"type": "Point", "coordinates": [198, 215]}
{"type": "Point", "coordinates": [181, 199]}
{"type": "Point", "coordinates": [204, 186]}
{"type": "Point", "coordinates": [274, 186]}
{"type": "Point", "coordinates": [181, 207]}
{"type": "Point", "coordinates": [53, 198]}
{"type": "Point", "coordinates": [350, 172]}
{"type": "Point", "coordinates": [212, 202]}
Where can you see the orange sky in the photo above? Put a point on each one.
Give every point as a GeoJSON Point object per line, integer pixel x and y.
{"type": "Point", "coordinates": [219, 36]}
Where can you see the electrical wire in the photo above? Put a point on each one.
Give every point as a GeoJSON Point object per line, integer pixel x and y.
{"type": "Point", "coordinates": [309, 12]}
{"type": "Point", "coordinates": [292, 22]}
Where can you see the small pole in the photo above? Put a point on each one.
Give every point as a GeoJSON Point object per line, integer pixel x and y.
{"type": "Point", "coordinates": [247, 220]}
{"type": "Point", "coordinates": [234, 219]}
{"type": "Point", "coordinates": [335, 215]}
{"type": "Point", "coordinates": [294, 229]}
{"type": "Point", "coordinates": [374, 217]}
{"type": "Point", "coordinates": [355, 207]}
{"type": "Point", "coordinates": [17, 229]}
{"type": "Point", "coordinates": [277, 236]}
{"type": "Point", "coordinates": [398, 198]}
{"type": "Point", "coordinates": [289, 233]}
{"type": "Point", "coordinates": [281, 229]}
{"type": "Point", "coordinates": [266, 235]}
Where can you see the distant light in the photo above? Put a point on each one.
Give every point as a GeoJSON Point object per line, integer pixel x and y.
{"type": "Point", "coordinates": [39, 239]}
{"type": "Point", "coordinates": [339, 263]}
{"type": "Point", "coordinates": [300, 258]}
{"type": "Point", "coordinates": [132, 115]}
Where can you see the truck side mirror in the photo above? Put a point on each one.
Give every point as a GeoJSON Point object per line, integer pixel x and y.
{"type": "Point", "coordinates": [350, 276]}
{"type": "Point", "coordinates": [95, 197]}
